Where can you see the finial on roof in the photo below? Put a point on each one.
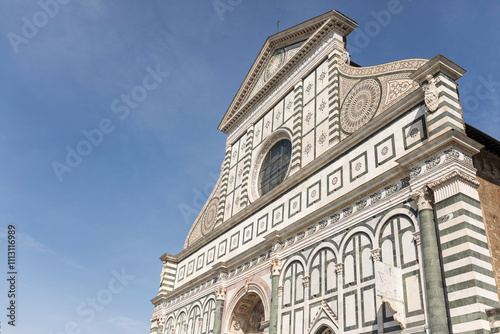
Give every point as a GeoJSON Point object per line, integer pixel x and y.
{"type": "Point", "coordinates": [278, 26]}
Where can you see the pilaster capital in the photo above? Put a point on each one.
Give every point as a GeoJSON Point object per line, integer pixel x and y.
{"type": "Point", "coordinates": [340, 268]}
{"type": "Point", "coordinates": [161, 319]}
{"type": "Point", "coordinates": [280, 291]}
{"type": "Point", "coordinates": [416, 238]}
{"type": "Point", "coordinates": [376, 254]}
{"type": "Point", "coordinates": [305, 281]}
{"type": "Point", "coordinates": [220, 292]}
{"type": "Point", "coordinates": [275, 266]}
{"type": "Point", "coordinates": [423, 198]}
{"type": "Point", "coordinates": [200, 322]}
{"type": "Point", "coordinates": [185, 326]}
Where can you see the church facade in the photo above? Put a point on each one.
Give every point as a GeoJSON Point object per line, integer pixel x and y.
{"type": "Point", "coordinates": [347, 202]}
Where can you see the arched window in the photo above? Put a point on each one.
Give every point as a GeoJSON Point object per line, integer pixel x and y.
{"type": "Point", "coordinates": [181, 319]}
{"type": "Point", "coordinates": [293, 289]}
{"type": "Point", "coordinates": [169, 326]}
{"type": "Point", "coordinates": [208, 317]}
{"type": "Point", "coordinates": [193, 325]}
{"type": "Point", "coordinates": [275, 166]}
{"type": "Point", "coordinates": [359, 284]}
{"type": "Point", "coordinates": [323, 278]}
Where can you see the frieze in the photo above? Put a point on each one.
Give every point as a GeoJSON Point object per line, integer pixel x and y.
{"type": "Point", "coordinates": [451, 153]}
{"type": "Point", "coordinates": [207, 284]}
{"type": "Point", "coordinates": [311, 230]}
{"type": "Point", "coordinates": [347, 212]}
{"type": "Point", "coordinates": [415, 171]}
{"type": "Point", "coordinates": [432, 162]}
{"type": "Point", "coordinates": [468, 159]}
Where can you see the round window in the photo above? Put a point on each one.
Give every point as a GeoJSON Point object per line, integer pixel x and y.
{"type": "Point", "coordinates": [275, 166]}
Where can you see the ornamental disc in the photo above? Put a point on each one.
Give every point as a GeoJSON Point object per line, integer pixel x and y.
{"type": "Point", "coordinates": [208, 220]}
{"type": "Point", "coordinates": [360, 105]}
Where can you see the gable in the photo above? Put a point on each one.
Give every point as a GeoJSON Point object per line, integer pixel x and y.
{"type": "Point", "coordinates": [278, 57]}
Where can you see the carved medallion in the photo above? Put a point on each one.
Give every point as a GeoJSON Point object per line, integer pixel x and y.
{"type": "Point", "coordinates": [360, 105]}
{"type": "Point", "coordinates": [277, 60]}
{"type": "Point", "coordinates": [209, 216]}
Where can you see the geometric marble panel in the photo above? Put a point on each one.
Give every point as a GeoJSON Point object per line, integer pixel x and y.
{"type": "Point", "coordinates": [358, 166]}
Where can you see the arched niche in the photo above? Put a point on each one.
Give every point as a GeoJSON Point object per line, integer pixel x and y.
{"type": "Point", "coordinates": [248, 313]}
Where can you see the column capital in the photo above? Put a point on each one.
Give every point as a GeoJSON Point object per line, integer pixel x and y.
{"type": "Point", "coordinates": [305, 281]}
{"type": "Point", "coordinates": [376, 254]}
{"type": "Point", "coordinates": [340, 268]}
{"type": "Point", "coordinates": [423, 198]}
{"type": "Point", "coordinates": [220, 292]}
{"type": "Point", "coordinates": [275, 266]}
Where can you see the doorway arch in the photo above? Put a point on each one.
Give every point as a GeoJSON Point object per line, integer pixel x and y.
{"type": "Point", "coordinates": [248, 312]}
{"type": "Point", "coordinates": [248, 315]}
{"type": "Point", "coordinates": [324, 330]}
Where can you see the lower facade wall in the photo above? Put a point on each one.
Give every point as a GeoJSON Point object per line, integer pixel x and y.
{"type": "Point", "coordinates": [333, 281]}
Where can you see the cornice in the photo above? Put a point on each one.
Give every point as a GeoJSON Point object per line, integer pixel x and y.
{"type": "Point", "coordinates": [455, 175]}
{"type": "Point", "coordinates": [446, 139]}
{"type": "Point", "coordinates": [438, 64]}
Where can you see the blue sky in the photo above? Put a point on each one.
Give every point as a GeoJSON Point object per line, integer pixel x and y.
{"type": "Point", "coordinates": [90, 234]}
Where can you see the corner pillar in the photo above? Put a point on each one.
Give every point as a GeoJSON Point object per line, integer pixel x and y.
{"type": "Point", "coordinates": [438, 317]}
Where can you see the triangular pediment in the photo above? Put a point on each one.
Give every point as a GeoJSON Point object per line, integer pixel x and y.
{"type": "Point", "coordinates": [280, 54]}
{"type": "Point", "coordinates": [323, 312]}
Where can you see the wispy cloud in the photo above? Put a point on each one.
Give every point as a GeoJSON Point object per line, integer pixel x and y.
{"type": "Point", "coordinates": [29, 244]}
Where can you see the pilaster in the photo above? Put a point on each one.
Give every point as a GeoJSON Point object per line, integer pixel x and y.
{"type": "Point", "coordinates": [437, 79]}
{"type": "Point", "coordinates": [167, 276]}
{"type": "Point", "coordinates": [467, 268]}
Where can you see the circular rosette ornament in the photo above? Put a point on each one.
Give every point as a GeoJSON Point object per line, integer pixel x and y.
{"type": "Point", "coordinates": [360, 105]}
{"type": "Point", "coordinates": [208, 220]}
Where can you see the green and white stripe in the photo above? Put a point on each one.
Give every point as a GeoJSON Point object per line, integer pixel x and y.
{"type": "Point", "coordinates": [224, 181]}
{"type": "Point", "coordinates": [246, 166]}
{"type": "Point", "coordinates": [297, 128]}
{"type": "Point", "coordinates": [470, 284]}
{"type": "Point", "coordinates": [333, 93]}
{"type": "Point", "coordinates": [449, 113]}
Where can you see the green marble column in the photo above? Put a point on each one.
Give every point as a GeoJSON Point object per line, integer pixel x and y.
{"type": "Point", "coordinates": [438, 317]}
{"type": "Point", "coordinates": [220, 293]}
{"type": "Point", "coordinates": [273, 316]}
